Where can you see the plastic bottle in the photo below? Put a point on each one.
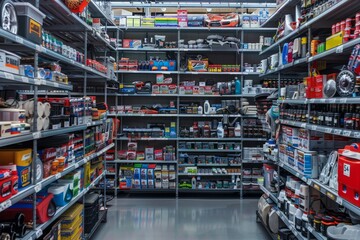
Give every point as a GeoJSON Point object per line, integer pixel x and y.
{"type": "Point", "coordinates": [193, 183]}
{"type": "Point", "coordinates": [206, 107]}
{"type": "Point", "coordinates": [238, 182]}
{"type": "Point", "coordinates": [237, 86]}
{"type": "Point", "coordinates": [220, 130]}
{"type": "Point", "coordinates": [237, 130]}
{"type": "Point", "coordinates": [200, 110]}
{"type": "Point", "coordinates": [298, 220]}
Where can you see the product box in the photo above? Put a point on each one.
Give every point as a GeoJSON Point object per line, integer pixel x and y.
{"type": "Point", "coordinates": [30, 21]}
{"type": "Point", "coordinates": [158, 176]}
{"type": "Point", "coordinates": [5, 129]}
{"type": "Point", "coordinates": [149, 153]}
{"type": "Point", "coordinates": [254, 21]}
{"type": "Point", "coordinates": [246, 21]}
{"type": "Point", "coordinates": [182, 17]}
{"type": "Point", "coordinates": [334, 40]}
{"type": "Point", "coordinates": [164, 179]}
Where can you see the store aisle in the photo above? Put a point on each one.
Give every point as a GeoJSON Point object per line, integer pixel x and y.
{"type": "Point", "coordinates": [183, 219]}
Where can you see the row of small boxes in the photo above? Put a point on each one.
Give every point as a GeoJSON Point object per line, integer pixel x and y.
{"type": "Point", "coordinates": [255, 154]}
{"type": "Point", "coordinates": [210, 145]}
{"type": "Point", "coordinates": [147, 176]}
{"type": "Point", "coordinates": [72, 222]}
{"type": "Point", "coordinates": [207, 159]}
{"type": "Point", "coordinates": [304, 162]}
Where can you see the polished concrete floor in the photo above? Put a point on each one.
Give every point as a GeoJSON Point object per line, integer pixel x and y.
{"type": "Point", "coordinates": [182, 219]}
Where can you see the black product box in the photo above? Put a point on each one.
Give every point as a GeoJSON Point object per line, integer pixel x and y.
{"type": "Point", "coordinates": [30, 21]}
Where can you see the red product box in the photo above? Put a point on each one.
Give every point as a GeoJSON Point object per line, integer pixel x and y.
{"type": "Point", "coordinates": [126, 43]}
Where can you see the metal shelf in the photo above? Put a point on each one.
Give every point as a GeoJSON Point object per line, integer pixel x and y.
{"type": "Point", "coordinates": [210, 150]}
{"type": "Point", "coordinates": [209, 174]}
{"type": "Point", "coordinates": [209, 29]}
{"type": "Point", "coordinates": [351, 100]}
{"type": "Point", "coordinates": [204, 190]}
{"type": "Point", "coordinates": [338, 50]}
{"type": "Point", "coordinates": [270, 194]}
{"type": "Point", "coordinates": [330, 130]}
{"type": "Point", "coordinates": [297, 62]}
{"type": "Point", "coordinates": [183, 95]}
{"type": "Point", "coordinates": [15, 79]}
{"type": "Point", "coordinates": [34, 234]}
{"type": "Point", "coordinates": [145, 139]}
{"type": "Point", "coordinates": [141, 115]}
{"type": "Point", "coordinates": [187, 73]}
{"type": "Point", "coordinates": [287, 7]}
{"type": "Point", "coordinates": [188, 4]}
{"type": "Point", "coordinates": [210, 139]}
{"type": "Point", "coordinates": [49, 53]}
{"type": "Point", "coordinates": [143, 161]}
{"type": "Point", "coordinates": [342, 8]}
{"type": "Point", "coordinates": [254, 161]}
{"type": "Point", "coordinates": [290, 225]}
{"type": "Point", "coordinates": [97, 12]}
{"type": "Point", "coordinates": [148, 190]}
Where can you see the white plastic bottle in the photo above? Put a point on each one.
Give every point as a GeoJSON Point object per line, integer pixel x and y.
{"type": "Point", "coordinates": [200, 110]}
{"type": "Point", "coordinates": [220, 130]}
{"type": "Point", "coordinates": [237, 130]}
{"type": "Point", "coordinates": [206, 107]}
{"type": "Point", "coordinates": [238, 182]}
{"type": "Point", "coordinates": [193, 183]}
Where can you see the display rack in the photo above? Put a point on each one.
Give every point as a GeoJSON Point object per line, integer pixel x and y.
{"type": "Point", "coordinates": [61, 20]}
{"type": "Point", "coordinates": [301, 67]}
{"type": "Point", "coordinates": [241, 55]}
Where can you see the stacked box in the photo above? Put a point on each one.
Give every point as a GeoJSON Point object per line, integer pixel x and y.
{"type": "Point", "coordinates": [71, 222]}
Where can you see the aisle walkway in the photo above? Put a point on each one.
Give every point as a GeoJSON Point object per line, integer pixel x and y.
{"type": "Point", "coordinates": [183, 219]}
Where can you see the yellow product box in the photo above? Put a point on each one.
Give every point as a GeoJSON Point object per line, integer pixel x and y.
{"type": "Point", "coordinates": [334, 40]}
{"type": "Point", "coordinates": [22, 158]}
{"type": "Point", "coordinates": [71, 233]}
{"type": "Point", "coordinates": [87, 174]}
{"type": "Point", "coordinates": [70, 216]}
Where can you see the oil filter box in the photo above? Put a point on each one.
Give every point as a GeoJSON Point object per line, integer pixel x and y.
{"type": "Point", "coordinates": [30, 21]}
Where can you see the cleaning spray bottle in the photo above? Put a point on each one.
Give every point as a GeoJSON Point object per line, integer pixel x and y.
{"type": "Point", "coordinates": [237, 131]}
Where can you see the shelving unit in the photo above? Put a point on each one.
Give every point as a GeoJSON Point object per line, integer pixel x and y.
{"type": "Point", "coordinates": [74, 31]}
{"type": "Point", "coordinates": [239, 57]}
{"type": "Point", "coordinates": [336, 58]}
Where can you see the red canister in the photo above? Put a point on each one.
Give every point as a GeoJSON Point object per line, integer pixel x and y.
{"type": "Point", "coordinates": [343, 25]}
{"type": "Point", "coordinates": [338, 27]}
{"type": "Point", "coordinates": [349, 22]}
{"type": "Point", "coordinates": [333, 29]}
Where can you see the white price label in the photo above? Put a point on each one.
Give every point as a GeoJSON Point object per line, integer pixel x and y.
{"type": "Point", "coordinates": [303, 125]}
{"type": "Point", "coordinates": [313, 127]}
{"type": "Point", "coordinates": [343, 100]}
{"type": "Point", "coordinates": [298, 174]}
{"type": "Point", "coordinates": [185, 49]}
{"type": "Point", "coordinates": [347, 133]}
{"type": "Point", "coordinates": [339, 49]}
{"type": "Point", "coordinates": [39, 233]}
{"type": "Point", "coordinates": [56, 85]}
{"type": "Point", "coordinates": [194, 73]}
{"type": "Point", "coordinates": [37, 187]}
{"type": "Point", "coordinates": [339, 200]}
{"type": "Point", "coordinates": [5, 204]}
{"type": "Point", "coordinates": [38, 48]}
{"type": "Point", "coordinates": [25, 79]}
{"type": "Point", "coordinates": [332, 100]}
{"type": "Point", "coordinates": [312, 100]}
{"type": "Point", "coordinates": [337, 131]}
{"type": "Point", "coordinates": [57, 176]}
{"type": "Point", "coordinates": [86, 160]}
{"type": "Point", "coordinates": [19, 39]}
{"type": "Point", "coordinates": [36, 135]}
{"type": "Point", "coordinates": [88, 124]}
{"type": "Point", "coordinates": [346, 170]}
{"type": "Point", "coordinates": [9, 76]}
{"type": "Point", "coordinates": [309, 181]}
{"type": "Point", "coordinates": [356, 134]}
{"type": "Point", "coordinates": [76, 165]}
{"type": "Point", "coordinates": [328, 130]}
{"type": "Point", "coordinates": [37, 81]}
{"type": "Point", "coordinates": [323, 100]}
